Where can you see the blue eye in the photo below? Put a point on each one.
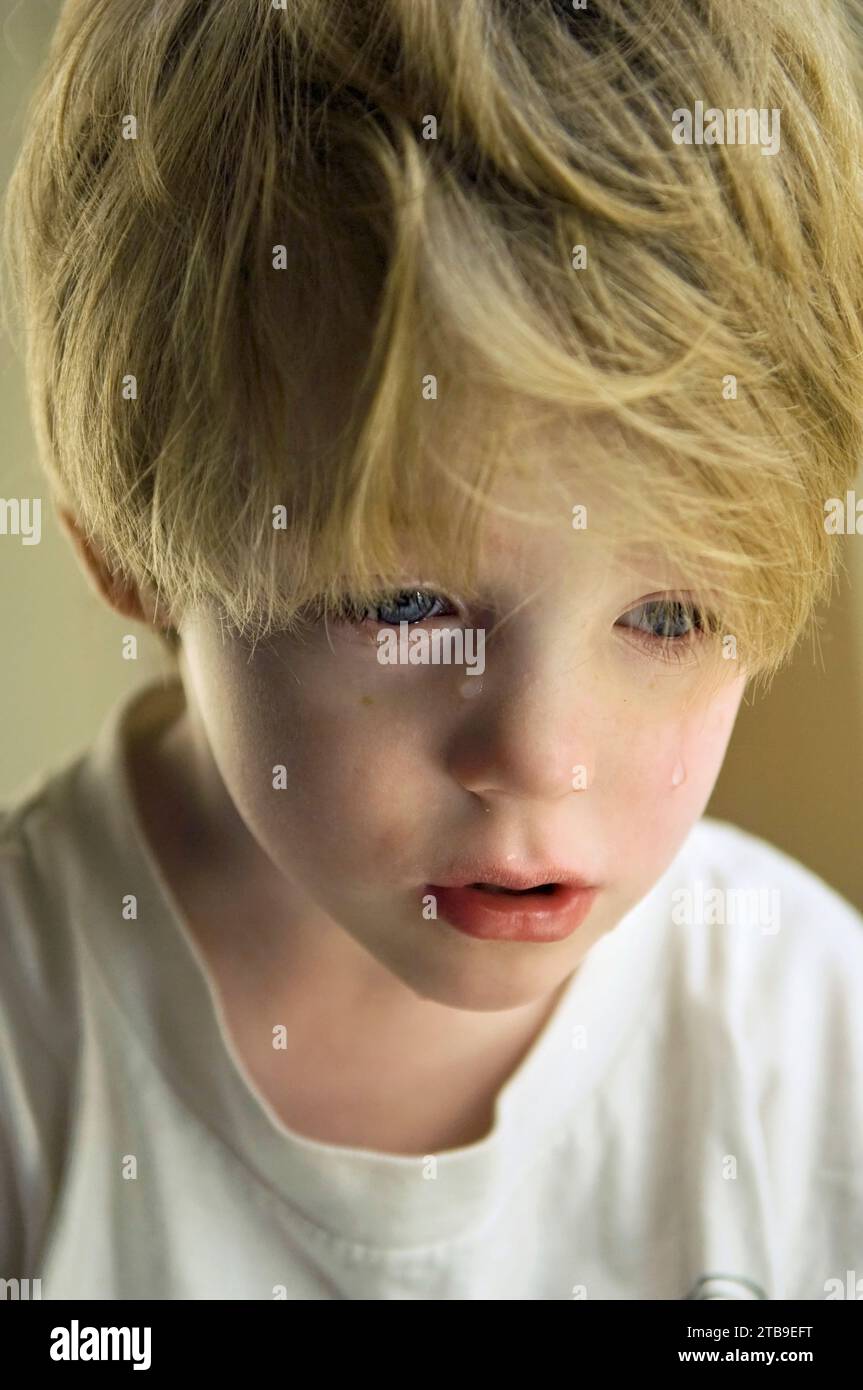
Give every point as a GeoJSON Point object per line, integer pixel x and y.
{"type": "Point", "coordinates": [668, 627]}
{"type": "Point", "coordinates": [404, 606]}
{"type": "Point", "coordinates": [664, 618]}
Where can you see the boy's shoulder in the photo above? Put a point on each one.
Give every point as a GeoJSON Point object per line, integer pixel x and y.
{"type": "Point", "coordinates": [747, 910]}
{"type": "Point", "coordinates": [761, 884]}
{"type": "Point", "coordinates": [41, 1004]}
{"type": "Point", "coordinates": [761, 1032]}
{"type": "Point", "coordinates": [39, 864]}
{"type": "Point", "coordinates": [771, 954]}
{"type": "Point", "coordinates": [59, 834]}
{"type": "Point", "coordinates": [729, 847]}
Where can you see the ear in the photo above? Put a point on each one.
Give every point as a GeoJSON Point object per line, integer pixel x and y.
{"type": "Point", "coordinates": [120, 593]}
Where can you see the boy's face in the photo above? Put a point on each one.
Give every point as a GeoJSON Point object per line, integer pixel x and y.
{"type": "Point", "coordinates": [399, 775]}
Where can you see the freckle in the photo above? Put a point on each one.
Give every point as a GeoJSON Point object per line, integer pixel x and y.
{"type": "Point", "coordinates": [366, 700]}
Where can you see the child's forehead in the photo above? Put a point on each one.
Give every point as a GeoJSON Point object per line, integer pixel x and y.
{"type": "Point", "coordinates": [590, 502]}
{"type": "Point", "coordinates": [565, 506]}
{"type": "Point", "coordinates": [517, 554]}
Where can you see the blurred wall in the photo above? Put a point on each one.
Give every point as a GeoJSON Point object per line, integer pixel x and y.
{"type": "Point", "coordinates": [794, 771]}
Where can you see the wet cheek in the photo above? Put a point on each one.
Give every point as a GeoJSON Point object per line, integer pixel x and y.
{"type": "Point", "coordinates": [662, 780]}
{"type": "Point", "coordinates": [656, 783]}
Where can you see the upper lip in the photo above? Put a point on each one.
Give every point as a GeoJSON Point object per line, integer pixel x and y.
{"type": "Point", "coordinates": [507, 877]}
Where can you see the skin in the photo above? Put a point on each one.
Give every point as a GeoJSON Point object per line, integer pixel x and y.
{"type": "Point", "coordinates": [306, 902]}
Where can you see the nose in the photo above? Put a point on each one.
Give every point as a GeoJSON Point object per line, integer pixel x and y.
{"type": "Point", "coordinates": [524, 736]}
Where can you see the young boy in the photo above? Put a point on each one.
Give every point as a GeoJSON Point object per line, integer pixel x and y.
{"type": "Point", "coordinates": [465, 416]}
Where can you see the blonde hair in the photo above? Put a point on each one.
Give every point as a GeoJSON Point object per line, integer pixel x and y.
{"type": "Point", "coordinates": [427, 302]}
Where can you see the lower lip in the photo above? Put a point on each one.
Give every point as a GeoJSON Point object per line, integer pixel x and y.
{"type": "Point", "coordinates": [514, 917]}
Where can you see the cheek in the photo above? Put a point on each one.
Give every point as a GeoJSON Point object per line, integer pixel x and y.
{"type": "Point", "coordinates": [666, 771]}
{"type": "Point", "coordinates": [351, 780]}
{"type": "Point", "coordinates": [704, 738]}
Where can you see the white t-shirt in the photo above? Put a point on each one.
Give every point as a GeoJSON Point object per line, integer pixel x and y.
{"type": "Point", "coordinates": [689, 1123]}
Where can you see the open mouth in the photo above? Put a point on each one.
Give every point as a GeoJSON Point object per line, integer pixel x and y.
{"type": "Point", "coordinates": [545, 888]}
{"type": "Point", "coordinates": [547, 911]}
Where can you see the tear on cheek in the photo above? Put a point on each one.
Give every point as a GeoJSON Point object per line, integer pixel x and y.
{"type": "Point", "coordinates": [678, 774]}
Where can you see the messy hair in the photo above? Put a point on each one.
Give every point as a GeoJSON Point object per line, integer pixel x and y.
{"type": "Point", "coordinates": [301, 282]}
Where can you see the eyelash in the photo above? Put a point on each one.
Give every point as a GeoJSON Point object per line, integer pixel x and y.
{"type": "Point", "coordinates": [663, 647]}
{"type": "Point", "coordinates": [670, 648]}
{"type": "Point", "coordinates": [349, 611]}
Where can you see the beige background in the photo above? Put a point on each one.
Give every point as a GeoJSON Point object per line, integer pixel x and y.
{"type": "Point", "coordinates": [794, 772]}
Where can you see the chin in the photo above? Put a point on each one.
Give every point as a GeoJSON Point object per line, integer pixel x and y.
{"type": "Point", "coordinates": [481, 984]}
